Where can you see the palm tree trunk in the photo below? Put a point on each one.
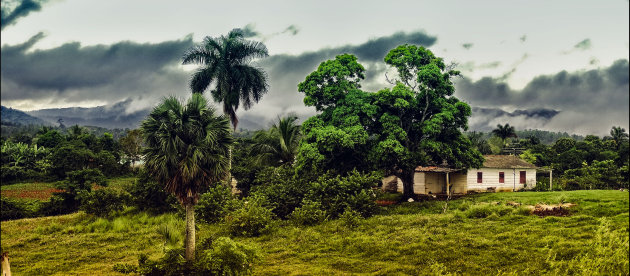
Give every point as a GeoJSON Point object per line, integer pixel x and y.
{"type": "Point", "coordinates": [229, 172]}
{"type": "Point", "coordinates": [190, 231]}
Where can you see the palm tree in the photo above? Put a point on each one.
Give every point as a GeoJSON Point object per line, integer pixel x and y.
{"type": "Point", "coordinates": [278, 145]}
{"type": "Point", "coordinates": [504, 132]}
{"type": "Point", "coordinates": [186, 149]}
{"type": "Point", "coordinates": [225, 61]}
{"type": "Point", "coordinates": [618, 135]}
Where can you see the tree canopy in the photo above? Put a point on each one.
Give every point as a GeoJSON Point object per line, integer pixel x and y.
{"type": "Point", "coordinates": [416, 122]}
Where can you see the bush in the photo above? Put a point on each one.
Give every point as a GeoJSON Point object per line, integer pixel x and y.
{"type": "Point", "coordinates": [252, 219]}
{"type": "Point", "coordinates": [148, 195]}
{"type": "Point", "coordinates": [214, 204]}
{"type": "Point", "coordinates": [17, 209]}
{"type": "Point", "coordinates": [283, 189]}
{"type": "Point", "coordinates": [354, 191]}
{"type": "Point", "coordinates": [104, 202]}
{"type": "Point", "coordinates": [224, 257]}
{"type": "Point", "coordinates": [227, 257]}
{"type": "Point", "coordinates": [310, 213]}
{"type": "Point", "coordinates": [350, 218]}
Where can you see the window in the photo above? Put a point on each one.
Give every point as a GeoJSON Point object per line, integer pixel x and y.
{"type": "Point", "coordinates": [522, 180]}
{"type": "Point", "coordinates": [479, 177]}
{"type": "Point", "coordinates": [501, 177]}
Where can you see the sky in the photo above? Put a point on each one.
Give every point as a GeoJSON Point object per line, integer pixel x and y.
{"type": "Point", "coordinates": [553, 65]}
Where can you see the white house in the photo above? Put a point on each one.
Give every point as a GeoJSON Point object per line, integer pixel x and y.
{"type": "Point", "coordinates": [498, 173]}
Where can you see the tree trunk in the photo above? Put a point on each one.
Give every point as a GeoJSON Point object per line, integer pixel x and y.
{"type": "Point", "coordinates": [190, 231]}
{"type": "Point", "coordinates": [229, 172]}
{"type": "Point", "coordinates": [407, 180]}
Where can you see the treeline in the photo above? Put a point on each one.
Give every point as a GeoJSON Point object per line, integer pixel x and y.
{"type": "Point", "coordinates": [590, 162]}
{"type": "Point", "coordinates": [49, 154]}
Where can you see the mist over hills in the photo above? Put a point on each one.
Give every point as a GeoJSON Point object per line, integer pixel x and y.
{"type": "Point", "coordinates": [118, 116]}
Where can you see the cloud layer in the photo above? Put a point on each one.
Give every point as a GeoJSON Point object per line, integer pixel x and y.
{"type": "Point", "coordinates": [587, 101]}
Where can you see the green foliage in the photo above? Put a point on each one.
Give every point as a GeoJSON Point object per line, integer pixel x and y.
{"type": "Point", "coordinates": [278, 145]}
{"type": "Point", "coordinates": [214, 204]}
{"type": "Point", "coordinates": [350, 218]}
{"type": "Point", "coordinates": [77, 184]}
{"type": "Point", "coordinates": [282, 188]}
{"type": "Point", "coordinates": [225, 61]}
{"type": "Point", "coordinates": [70, 157]}
{"type": "Point", "coordinates": [104, 202]}
{"type": "Point", "coordinates": [23, 162]}
{"type": "Point", "coordinates": [224, 257]}
{"type": "Point", "coordinates": [17, 209]}
{"type": "Point", "coordinates": [228, 257]}
{"type": "Point", "coordinates": [149, 195]}
{"type": "Point", "coordinates": [417, 122]}
{"type": "Point", "coordinates": [310, 213]}
{"type": "Point", "coordinates": [252, 219]}
{"type": "Point", "coordinates": [598, 175]}
{"type": "Point", "coordinates": [187, 146]}
{"type": "Point", "coordinates": [487, 210]}
{"type": "Point", "coordinates": [336, 194]}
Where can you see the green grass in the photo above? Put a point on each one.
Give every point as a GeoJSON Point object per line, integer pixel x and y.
{"type": "Point", "coordinates": [410, 238]}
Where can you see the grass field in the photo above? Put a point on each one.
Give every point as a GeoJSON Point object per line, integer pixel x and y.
{"type": "Point", "coordinates": [473, 235]}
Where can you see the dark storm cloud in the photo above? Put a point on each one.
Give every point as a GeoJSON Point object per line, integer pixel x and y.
{"type": "Point", "coordinates": [74, 73]}
{"type": "Point", "coordinates": [22, 9]}
{"type": "Point", "coordinates": [467, 46]}
{"type": "Point", "coordinates": [588, 101]}
{"type": "Point", "coordinates": [286, 71]}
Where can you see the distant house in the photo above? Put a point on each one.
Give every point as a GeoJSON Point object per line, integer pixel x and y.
{"type": "Point", "coordinates": [498, 173]}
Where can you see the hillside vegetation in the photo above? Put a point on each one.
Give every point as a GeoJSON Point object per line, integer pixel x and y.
{"type": "Point", "coordinates": [476, 234]}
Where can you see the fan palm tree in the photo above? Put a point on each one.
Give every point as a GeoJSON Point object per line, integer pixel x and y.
{"type": "Point", "coordinates": [278, 145]}
{"type": "Point", "coordinates": [504, 132]}
{"type": "Point", "coordinates": [226, 63]}
{"type": "Point", "coordinates": [186, 149]}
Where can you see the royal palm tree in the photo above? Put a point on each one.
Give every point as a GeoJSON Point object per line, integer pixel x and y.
{"type": "Point", "coordinates": [226, 64]}
{"type": "Point", "coordinates": [504, 132]}
{"type": "Point", "coordinates": [186, 149]}
{"type": "Point", "coordinates": [278, 145]}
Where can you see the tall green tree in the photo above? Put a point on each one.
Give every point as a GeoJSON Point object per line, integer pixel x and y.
{"type": "Point", "coordinates": [504, 132]}
{"type": "Point", "coordinates": [417, 122]}
{"type": "Point", "coordinates": [226, 62]}
{"type": "Point", "coordinates": [187, 148]}
{"type": "Point", "coordinates": [279, 144]}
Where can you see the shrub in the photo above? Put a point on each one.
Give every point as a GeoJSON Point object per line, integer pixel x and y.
{"type": "Point", "coordinates": [214, 204]}
{"type": "Point", "coordinates": [309, 213]}
{"type": "Point", "coordinates": [485, 210]}
{"type": "Point", "coordinates": [77, 182]}
{"type": "Point", "coordinates": [227, 257]}
{"type": "Point", "coordinates": [350, 218]}
{"type": "Point", "coordinates": [17, 209]}
{"type": "Point", "coordinates": [148, 195]}
{"type": "Point", "coordinates": [224, 257]}
{"type": "Point", "coordinates": [283, 189]}
{"type": "Point", "coordinates": [354, 191]}
{"type": "Point", "coordinates": [252, 219]}
{"type": "Point", "coordinates": [104, 202]}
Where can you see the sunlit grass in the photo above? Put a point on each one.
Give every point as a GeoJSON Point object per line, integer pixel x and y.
{"type": "Point", "coordinates": [411, 238]}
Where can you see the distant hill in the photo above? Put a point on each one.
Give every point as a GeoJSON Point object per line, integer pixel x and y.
{"type": "Point", "coordinates": [14, 117]}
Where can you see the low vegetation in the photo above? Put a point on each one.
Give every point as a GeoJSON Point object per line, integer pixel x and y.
{"type": "Point", "coordinates": [478, 234]}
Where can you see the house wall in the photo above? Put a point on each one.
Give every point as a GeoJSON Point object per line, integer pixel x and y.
{"type": "Point", "coordinates": [490, 179]}
{"type": "Point", "coordinates": [458, 182]}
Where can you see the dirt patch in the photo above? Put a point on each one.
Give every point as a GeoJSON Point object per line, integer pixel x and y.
{"type": "Point", "coordinates": [43, 194]}
{"type": "Point", "coordinates": [556, 210]}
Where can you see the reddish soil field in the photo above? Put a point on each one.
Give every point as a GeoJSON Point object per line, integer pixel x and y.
{"type": "Point", "coordinates": [42, 194]}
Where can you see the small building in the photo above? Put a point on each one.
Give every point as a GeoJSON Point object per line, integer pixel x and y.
{"type": "Point", "coordinates": [498, 173]}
